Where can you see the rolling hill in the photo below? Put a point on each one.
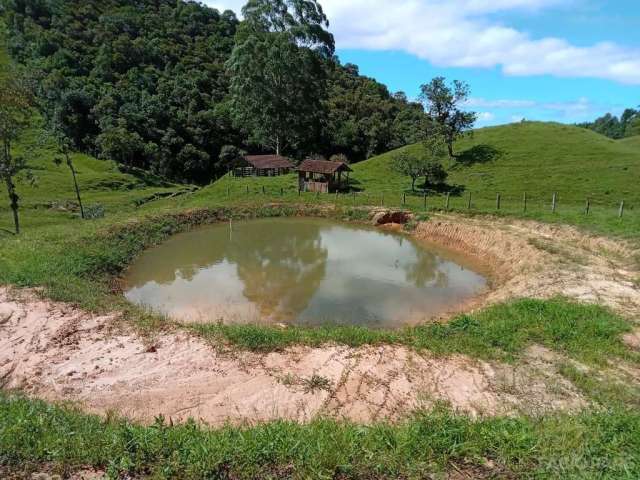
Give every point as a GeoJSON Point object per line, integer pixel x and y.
{"type": "Point", "coordinates": [533, 157]}
{"type": "Point", "coordinates": [633, 142]}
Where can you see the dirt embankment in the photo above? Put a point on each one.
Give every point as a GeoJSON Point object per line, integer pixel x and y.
{"type": "Point", "coordinates": [57, 352]}
{"type": "Point", "coordinates": [528, 259]}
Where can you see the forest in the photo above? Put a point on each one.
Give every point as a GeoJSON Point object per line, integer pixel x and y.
{"type": "Point", "coordinates": [164, 85]}
{"type": "Point", "coordinates": [627, 125]}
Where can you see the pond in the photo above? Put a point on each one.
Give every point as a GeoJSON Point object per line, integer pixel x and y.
{"type": "Point", "coordinates": [299, 271]}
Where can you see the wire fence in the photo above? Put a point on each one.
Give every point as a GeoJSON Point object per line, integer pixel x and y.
{"type": "Point", "coordinates": [470, 201]}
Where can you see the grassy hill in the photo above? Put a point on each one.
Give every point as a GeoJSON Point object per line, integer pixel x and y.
{"type": "Point", "coordinates": [532, 157]}
{"type": "Point", "coordinates": [633, 142]}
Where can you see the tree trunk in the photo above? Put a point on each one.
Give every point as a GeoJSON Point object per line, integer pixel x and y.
{"type": "Point", "coordinates": [13, 198]}
{"type": "Point", "coordinates": [451, 154]}
{"type": "Point", "coordinates": [75, 184]}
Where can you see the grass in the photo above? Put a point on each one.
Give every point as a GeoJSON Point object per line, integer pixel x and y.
{"type": "Point", "coordinates": [588, 333]}
{"type": "Point", "coordinates": [77, 261]}
{"type": "Point", "coordinates": [633, 142]}
{"type": "Point", "coordinates": [588, 445]}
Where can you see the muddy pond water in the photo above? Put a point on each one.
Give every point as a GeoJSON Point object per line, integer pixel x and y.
{"type": "Point", "coordinates": [299, 271]}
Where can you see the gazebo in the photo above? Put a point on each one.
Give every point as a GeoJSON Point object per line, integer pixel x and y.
{"type": "Point", "coordinates": [264, 166]}
{"type": "Point", "coordinates": [322, 175]}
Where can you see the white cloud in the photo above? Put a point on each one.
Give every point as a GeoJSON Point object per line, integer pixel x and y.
{"type": "Point", "coordinates": [486, 117]}
{"type": "Point", "coordinates": [578, 110]}
{"type": "Point", "coordinates": [460, 33]}
{"type": "Point", "coordinates": [484, 103]}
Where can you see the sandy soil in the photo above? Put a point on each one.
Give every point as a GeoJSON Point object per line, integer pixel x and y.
{"type": "Point", "coordinates": [528, 259]}
{"type": "Point", "coordinates": [56, 352]}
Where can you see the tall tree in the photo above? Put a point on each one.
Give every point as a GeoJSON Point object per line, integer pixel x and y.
{"type": "Point", "coordinates": [15, 114]}
{"type": "Point", "coordinates": [278, 74]}
{"type": "Point", "coordinates": [444, 104]}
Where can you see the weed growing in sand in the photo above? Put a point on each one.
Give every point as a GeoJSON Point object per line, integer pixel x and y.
{"type": "Point", "coordinates": [316, 383]}
{"type": "Point", "coordinates": [312, 384]}
{"type": "Point", "coordinates": [606, 390]}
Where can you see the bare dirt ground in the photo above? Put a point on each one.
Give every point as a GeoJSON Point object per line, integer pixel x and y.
{"type": "Point", "coordinates": [57, 352]}
{"type": "Point", "coordinates": [533, 260]}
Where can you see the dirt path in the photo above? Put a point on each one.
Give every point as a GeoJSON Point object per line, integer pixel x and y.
{"type": "Point", "coordinates": [57, 352]}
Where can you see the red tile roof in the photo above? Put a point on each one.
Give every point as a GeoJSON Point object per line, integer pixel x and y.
{"type": "Point", "coordinates": [268, 161]}
{"type": "Point", "coordinates": [323, 166]}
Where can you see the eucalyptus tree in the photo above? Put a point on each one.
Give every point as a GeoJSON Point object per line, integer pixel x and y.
{"type": "Point", "coordinates": [15, 116]}
{"type": "Point", "coordinates": [445, 106]}
{"type": "Point", "coordinates": [278, 72]}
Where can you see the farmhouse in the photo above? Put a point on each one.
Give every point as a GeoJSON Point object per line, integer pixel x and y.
{"type": "Point", "coordinates": [264, 166]}
{"type": "Point", "coordinates": [322, 176]}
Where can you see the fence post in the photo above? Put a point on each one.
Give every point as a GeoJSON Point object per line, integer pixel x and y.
{"type": "Point", "coordinates": [264, 190]}
{"type": "Point", "coordinates": [469, 205]}
{"type": "Point", "coordinates": [247, 189]}
{"type": "Point", "coordinates": [587, 207]}
{"type": "Point", "coordinates": [524, 199]}
{"type": "Point", "coordinates": [404, 199]}
{"type": "Point", "coordinates": [498, 201]}
{"type": "Point", "coordinates": [621, 212]}
{"type": "Point", "coordinates": [425, 201]}
{"type": "Point", "coordinates": [446, 207]}
{"type": "Point", "coordinates": [554, 202]}
{"type": "Point", "coordinates": [282, 191]}
{"type": "Point", "coordinates": [382, 201]}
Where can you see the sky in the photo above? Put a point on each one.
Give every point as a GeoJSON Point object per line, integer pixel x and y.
{"type": "Point", "coordinates": [554, 60]}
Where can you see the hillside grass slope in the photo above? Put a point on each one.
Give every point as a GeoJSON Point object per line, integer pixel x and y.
{"type": "Point", "coordinates": [532, 157]}
{"type": "Point", "coordinates": [632, 142]}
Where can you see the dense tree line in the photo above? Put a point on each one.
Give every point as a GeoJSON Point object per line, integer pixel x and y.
{"type": "Point", "coordinates": [627, 125]}
{"type": "Point", "coordinates": [159, 84]}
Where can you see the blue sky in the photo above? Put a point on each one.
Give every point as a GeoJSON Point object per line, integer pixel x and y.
{"type": "Point", "coordinates": [558, 60]}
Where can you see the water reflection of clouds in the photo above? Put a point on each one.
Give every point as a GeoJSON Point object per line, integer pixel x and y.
{"type": "Point", "coordinates": [207, 292]}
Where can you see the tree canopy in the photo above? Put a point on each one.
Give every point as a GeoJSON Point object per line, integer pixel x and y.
{"type": "Point", "coordinates": [627, 125]}
{"type": "Point", "coordinates": [165, 84]}
{"type": "Point", "coordinates": [278, 76]}
{"type": "Point", "coordinates": [444, 104]}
